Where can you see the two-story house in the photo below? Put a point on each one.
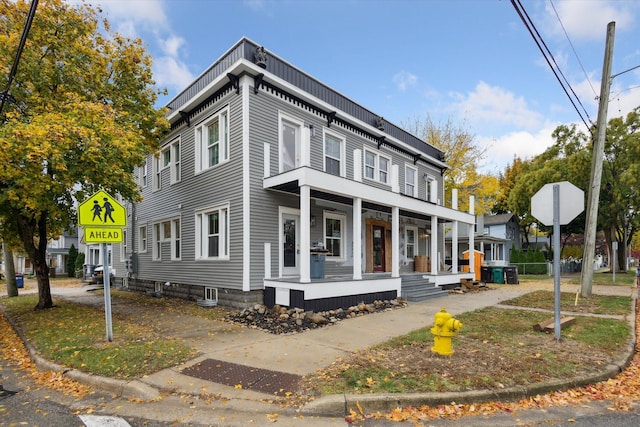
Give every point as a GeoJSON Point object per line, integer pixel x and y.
{"type": "Point", "coordinates": [265, 164]}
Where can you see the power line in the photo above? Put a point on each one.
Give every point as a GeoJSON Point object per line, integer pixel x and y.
{"type": "Point", "coordinates": [4, 95]}
{"type": "Point", "coordinates": [573, 48]}
{"type": "Point", "coordinates": [529, 25]}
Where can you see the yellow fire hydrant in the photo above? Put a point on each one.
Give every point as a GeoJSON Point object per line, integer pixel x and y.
{"type": "Point", "coordinates": [444, 327]}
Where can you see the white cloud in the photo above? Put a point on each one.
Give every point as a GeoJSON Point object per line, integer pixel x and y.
{"type": "Point", "coordinates": [404, 79]}
{"type": "Point", "coordinates": [526, 145]}
{"type": "Point", "coordinates": [588, 20]}
{"type": "Point", "coordinates": [493, 104]}
{"type": "Point", "coordinates": [171, 73]}
{"type": "Point", "coordinates": [171, 46]}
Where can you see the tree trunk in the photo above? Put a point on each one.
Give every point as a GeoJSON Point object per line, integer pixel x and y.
{"type": "Point", "coordinates": [9, 271]}
{"type": "Point", "coordinates": [41, 269]}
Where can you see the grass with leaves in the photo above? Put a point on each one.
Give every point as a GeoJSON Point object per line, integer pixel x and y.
{"type": "Point", "coordinates": [74, 335]}
{"type": "Point", "coordinates": [496, 348]}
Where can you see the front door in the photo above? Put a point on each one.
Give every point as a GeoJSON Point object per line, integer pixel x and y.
{"type": "Point", "coordinates": [378, 248]}
{"type": "Point", "coordinates": [290, 251]}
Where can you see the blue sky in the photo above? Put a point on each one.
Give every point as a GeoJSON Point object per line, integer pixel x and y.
{"type": "Point", "coordinates": [469, 61]}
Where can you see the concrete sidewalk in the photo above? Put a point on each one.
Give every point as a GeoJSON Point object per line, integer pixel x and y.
{"type": "Point", "coordinates": [298, 354]}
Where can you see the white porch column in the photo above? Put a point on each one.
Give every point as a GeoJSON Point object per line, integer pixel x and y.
{"type": "Point", "coordinates": [305, 234]}
{"type": "Point", "coordinates": [395, 179]}
{"type": "Point", "coordinates": [357, 238]}
{"type": "Point", "coordinates": [454, 199]}
{"type": "Point", "coordinates": [395, 241]}
{"type": "Point", "coordinates": [454, 247]}
{"type": "Point", "coordinates": [472, 252]}
{"type": "Point", "coordinates": [434, 245]}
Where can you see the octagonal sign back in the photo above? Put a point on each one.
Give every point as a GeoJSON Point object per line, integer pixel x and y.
{"type": "Point", "coordinates": [571, 203]}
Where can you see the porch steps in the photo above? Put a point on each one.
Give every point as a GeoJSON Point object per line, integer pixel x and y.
{"type": "Point", "coordinates": [416, 288]}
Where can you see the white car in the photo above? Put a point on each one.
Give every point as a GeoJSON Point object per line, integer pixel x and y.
{"type": "Point", "coordinates": [98, 275]}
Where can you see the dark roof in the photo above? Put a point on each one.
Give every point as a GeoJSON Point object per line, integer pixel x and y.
{"type": "Point", "coordinates": [246, 49]}
{"type": "Point", "coordinates": [499, 219]}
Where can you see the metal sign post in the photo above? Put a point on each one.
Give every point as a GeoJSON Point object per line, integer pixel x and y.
{"type": "Point", "coordinates": [106, 281]}
{"type": "Point", "coordinates": [102, 219]}
{"type": "Point", "coordinates": [556, 260]}
{"type": "Point", "coordinates": [556, 215]}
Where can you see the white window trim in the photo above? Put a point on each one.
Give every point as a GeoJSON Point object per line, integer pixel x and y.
{"type": "Point", "coordinates": [156, 241]}
{"type": "Point", "coordinates": [225, 240]}
{"type": "Point", "coordinates": [124, 245]}
{"type": "Point", "coordinates": [342, 158]}
{"type": "Point", "coordinates": [202, 138]}
{"type": "Point", "coordinates": [416, 246]}
{"type": "Point", "coordinates": [143, 248]}
{"type": "Point", "coordinates": [414, 183]}
{"type": "Point", "coordinates": [428, 181]}
{"type": "Point", "coordinates": [376, 170]}
{"type": "Point", "coordinates": [298, 124]}
{"type": "Point", "coordinates": [343, 234]}
{"type": "Point", "coordinates": [176, 161]}
{"type": "Point", "coordinates": [174, 238]}
{"type": "Point", "coordinates": [143, 174]}
{"type": "Point", "coordinates": [157, 173]}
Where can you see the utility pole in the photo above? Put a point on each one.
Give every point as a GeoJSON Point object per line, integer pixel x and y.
{"type": "Point", "coordinates": [591, 225]}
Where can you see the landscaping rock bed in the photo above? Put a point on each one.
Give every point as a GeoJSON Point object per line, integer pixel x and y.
{"type": "Point", "coordinates": [283, 320]}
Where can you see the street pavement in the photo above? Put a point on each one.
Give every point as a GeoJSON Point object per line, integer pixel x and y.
{"type": "Point", "coordinates": [195, 401]}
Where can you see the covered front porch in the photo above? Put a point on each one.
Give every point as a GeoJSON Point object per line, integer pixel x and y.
{"type": "Point", "coordinates": [377, 241]}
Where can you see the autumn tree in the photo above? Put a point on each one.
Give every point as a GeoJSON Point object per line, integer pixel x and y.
{"type": "Point", "coordinates": [463, 156]}
{"type": "Point", "coordinates": [82, 118]}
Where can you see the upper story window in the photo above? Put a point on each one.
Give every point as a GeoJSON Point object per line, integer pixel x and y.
{"type": "Point", "coordinates": [429, 195]}
{"type": "Point", "coordinates": [212, 141]}
{"type": "Point", "coordinates": [335, 235]}
{"type": "Point", "coordinates": [376, 166]}
{"type": "Point", "coordinates": [157, 173]}
{"type": "Point", "coordinates": [143, 175]}
{"type": "Point", "coordinates": [175, 165]}
{"type": "Point", "coordinates": [410, 181]}
{"type": "Point", "coordinates": [289, 143]}
{"type": "Point", "coordinates": [334, 154]}
{"type": "Point", "coordinates": [212, 233]}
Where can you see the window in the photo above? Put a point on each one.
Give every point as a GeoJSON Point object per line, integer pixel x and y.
{"type": "Point", "coordinates": [333, 154]}
{"type": "Point", "coordinates": [212, 141]}
{"type": "Point", "coordinates": [289, 143]}
{"type": "Point", "coordinates": [175, 241]}
{"type": "Point", "coordinates": [166, 231]}
{"type": "Point", "coordinates": [143, 175]}
{"type": "Point", "coordinates": [175, 165]}
{"type": "Point", "coordinates": [166, 157]}
{"type": "Point", "coordinates": [157, 243]}
{"type": "Point", "coordinates": [429, 180]}
{"type": "Point", "coordinates": [376, 167]}
{"type": "Point", "coordinates": [157, 174]}
{"type": "Point", "coordinates": [142, 244]}
{"type": "Point", "coordinates": [410, 175]}
{"type": "Point", "coordinates": [212, 233]}
{"type": "Point", "coordinates": [410, 242]}
{"type": "Point", "coordinates": [334, 235]}
{"type": "Point", "coordinates": [124, 247]}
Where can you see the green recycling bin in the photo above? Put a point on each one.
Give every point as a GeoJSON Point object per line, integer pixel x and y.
{"type": "Point", "coordinates": [498, 275]}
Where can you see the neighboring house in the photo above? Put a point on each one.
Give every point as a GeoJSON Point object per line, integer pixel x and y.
{"type": "Point", "coordinates": [500, 234]}
{"type": "Point", "coordinates": [58, 252]}
{"type": "Point", "coordinates": [263, 163]}
{"type": "Point", "coordinates": [495, 237]}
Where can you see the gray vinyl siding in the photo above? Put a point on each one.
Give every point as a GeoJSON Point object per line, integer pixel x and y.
{"type": "Point", "coordinates": [196, 191]}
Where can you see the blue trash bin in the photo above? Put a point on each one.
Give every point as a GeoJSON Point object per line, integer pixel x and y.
{"type": "Point", "coordinates": [20, 280]}
{"type": "Point", "coordinates": [317, 265]}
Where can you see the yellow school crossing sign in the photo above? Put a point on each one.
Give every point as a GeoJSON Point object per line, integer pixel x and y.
{"type": "Point", "coordinates": [102, 218]}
